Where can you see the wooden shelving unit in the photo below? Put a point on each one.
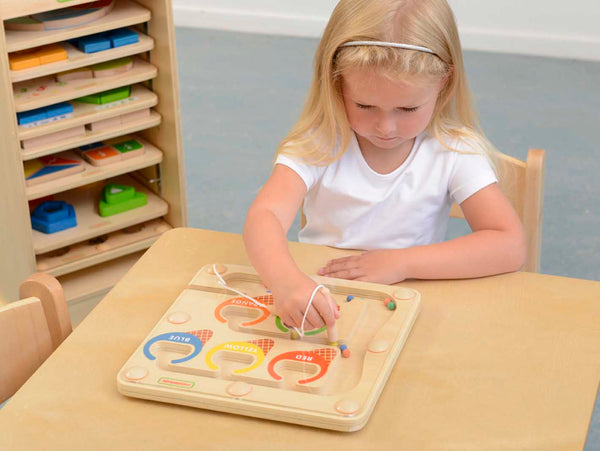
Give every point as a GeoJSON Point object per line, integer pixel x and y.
{"type": "Point", "coordinates": [91, 257]}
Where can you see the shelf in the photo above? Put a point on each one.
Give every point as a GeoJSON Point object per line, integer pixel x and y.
{"type": "Point", "coordinates": [77, 59]}
{"type": "Point", "coordinates": [124, 14]}
{"type": "Point", "coordinates": [92, 174]}
{"type": "Point", "coordinates": [91, 137]}
{"type": "Point", "coordinates": [117, 244]}
{"type": "Point", "coordinates": [89, 222]}
{"type": "Point", "coordinates": [86, 113]}
{"type": "Point", "coordinates": [46, 91]}
{"type": "Point", "coordinates": [97, 280]}
{"type": "Point", "coordinates": [102, 257]}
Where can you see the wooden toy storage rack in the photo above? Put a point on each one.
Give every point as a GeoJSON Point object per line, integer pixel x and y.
{"type": "Point", "coordinates": [155, 83]}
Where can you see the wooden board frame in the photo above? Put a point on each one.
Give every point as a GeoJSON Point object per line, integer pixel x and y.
{"type": "Point", "coordinates": [185, 374]}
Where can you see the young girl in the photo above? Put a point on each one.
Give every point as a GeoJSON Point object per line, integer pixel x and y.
{"type": "Point", "coordinates": [387, 142]}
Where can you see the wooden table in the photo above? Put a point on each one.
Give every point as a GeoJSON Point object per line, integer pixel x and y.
{"type": "Point", "coordinates": [511, 361]}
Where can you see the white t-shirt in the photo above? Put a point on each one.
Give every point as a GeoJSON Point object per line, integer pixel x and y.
{"type": "Point", "coordinates": [348, 205]}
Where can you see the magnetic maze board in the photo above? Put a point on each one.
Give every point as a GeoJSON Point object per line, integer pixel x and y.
{"type": "Point", "coordinates": [217, 350]}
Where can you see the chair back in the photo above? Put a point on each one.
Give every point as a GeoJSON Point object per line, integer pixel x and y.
{"type": "Point", "coordinates": [30, 330]}
{"type": "Point", "coordinates": [523, 184]}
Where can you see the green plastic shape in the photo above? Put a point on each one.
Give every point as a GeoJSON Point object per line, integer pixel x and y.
{"type": "Point", "coordinates": [112, 64]}
{"type": "Point", "coordinates": [23, 20]}
{"type": "Point", "coordinates": [101, 98]}
{"type": "Point", "coordinates": [119, 199]}
{"type": "Point", "coordinates": [128, 146]}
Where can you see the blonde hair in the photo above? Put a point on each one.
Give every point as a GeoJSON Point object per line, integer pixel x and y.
{"type": "Point", "coordinates": [322, 133]}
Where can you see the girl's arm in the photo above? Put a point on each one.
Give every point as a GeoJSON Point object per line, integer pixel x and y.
{"type": "Point", "coordinates": [496, 245]}
{"type": "Point", "coordinates": [267, 223]}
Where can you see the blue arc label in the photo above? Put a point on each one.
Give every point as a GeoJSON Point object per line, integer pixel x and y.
{"type": "Point", "coordinates": [175, 337]}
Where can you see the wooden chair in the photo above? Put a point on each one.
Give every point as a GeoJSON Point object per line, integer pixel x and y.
{"type": "Point", "coordinates": [30, 330]}
{"type": "Point", "coordinates": [523, 183]}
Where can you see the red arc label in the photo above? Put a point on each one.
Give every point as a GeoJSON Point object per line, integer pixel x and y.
{"type": "Point", "coordinates": [307, 357]}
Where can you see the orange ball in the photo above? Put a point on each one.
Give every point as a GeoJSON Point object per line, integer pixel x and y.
{"type": "Point", "coordinates": [345, 351]}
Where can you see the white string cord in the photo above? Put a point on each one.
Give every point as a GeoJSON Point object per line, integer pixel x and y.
{"type": "Point", "coordinates": [224, 285]}
{"type": "Point", "coordinates": [300, 331]}
{"type": "Point", "coordinates": [312, 296]}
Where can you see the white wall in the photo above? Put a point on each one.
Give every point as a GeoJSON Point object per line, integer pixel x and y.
{"type": "Point", "coordinates": [557, 28]}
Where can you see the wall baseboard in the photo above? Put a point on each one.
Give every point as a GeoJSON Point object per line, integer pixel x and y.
{"type": "Point", "coordinates": [534, 44]}
{"type": "Point", "coordinates": [243, 21]}
{"type": "Point", "coordinates": [579, 47]}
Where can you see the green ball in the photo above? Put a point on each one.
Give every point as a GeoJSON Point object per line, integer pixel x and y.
{"type": "Point", "coordinates": [391, 305]}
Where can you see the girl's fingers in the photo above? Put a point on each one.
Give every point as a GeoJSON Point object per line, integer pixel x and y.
{"type": "Point", "coordinates": [340, 260]}
{"type": "Point", "coordinates": [332, 304]}
{"type": "Point", "coordinates": [293, 319]}
{"type": "Point", "coordinates": [349, 274]}
{"type": "Point", "coordinates": [314, 320]}
{"type": "Point", "coordinates": [333, 264]}
{"type": "Point", "coordinates": [325, 309]}
{"type": "Point", "coordinates": [287, 321]}
{"type": "Point", "coordinates": [344, 268]}
{"type": "Point", "coordinates": [323, 312]}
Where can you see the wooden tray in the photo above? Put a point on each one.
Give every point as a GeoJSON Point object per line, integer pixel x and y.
{"type": "Point", "coordinates": [40, 92]}
{"type": "Point", "coordinates": [89, 222]}
{"type": "Point", "coordinates": [76, 59]}
{"type": "Point", "coordinates": [91, 174]}
{"type": "Point", "coordinates": [110, 246]}
{"type": "Point", "coordinates": [124, 14]}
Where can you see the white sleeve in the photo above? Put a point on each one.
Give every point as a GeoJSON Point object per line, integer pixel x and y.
{"type": "Point", "coordinates": [307, 172]}
{"type": "Point", "coordinates": [470, 173]}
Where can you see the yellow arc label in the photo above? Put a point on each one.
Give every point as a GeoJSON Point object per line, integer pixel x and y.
{"type": "Point", "coordinates": [242, 347]}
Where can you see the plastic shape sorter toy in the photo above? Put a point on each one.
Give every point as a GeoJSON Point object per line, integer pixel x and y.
{"type": "Point", "coordinates": [217, 350]}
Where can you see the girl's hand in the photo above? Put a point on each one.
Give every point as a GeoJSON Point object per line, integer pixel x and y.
{"type": "Point", "coordinates": [291, 299]}
{"type": "Point", "coordinates": [379, 266]}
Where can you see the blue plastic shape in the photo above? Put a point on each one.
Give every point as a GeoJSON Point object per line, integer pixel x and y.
{"type": "Point", "coordinates": [53, 216]}
{"type": "Point", "coordinates": [92, 146]}
{"type": "Point", "coordinates": [123, 36]}
{"type": "Point", "coordinates": [58, 109]}
{"type": "Point", "coordinates": [46, 112]}
{"type": "Point", "coordinates": [26, 117]}
{"type": "Point", "coordinates": [94, 43]}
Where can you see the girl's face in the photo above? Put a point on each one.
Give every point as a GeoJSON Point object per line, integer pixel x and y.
{"type": "Point", "coordinates": [387, 115]}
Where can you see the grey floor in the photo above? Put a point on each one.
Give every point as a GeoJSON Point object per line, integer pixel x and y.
{"type": "Point", "coordinates": [242, 92]}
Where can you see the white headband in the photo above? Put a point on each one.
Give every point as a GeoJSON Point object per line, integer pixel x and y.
{"type": "Point", "coordinates": [389, 44]}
